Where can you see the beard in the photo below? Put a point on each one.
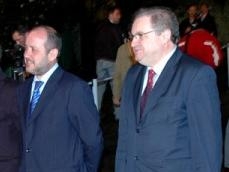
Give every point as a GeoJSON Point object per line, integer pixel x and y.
{"type": "Point", "coordinates": [39, 68]}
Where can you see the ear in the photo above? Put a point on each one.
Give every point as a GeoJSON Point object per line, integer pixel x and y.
{"type": "Point", "coordinates": [166, 36]}
{"type": "Point", "coordinates": [52, 55]}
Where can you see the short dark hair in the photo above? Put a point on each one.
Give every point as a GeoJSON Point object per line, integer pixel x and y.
{"type": "Point", "coordinates": [111, 8]}
{"type": "Point", "coordinates": [204, 4]}
{"type": "Point", "coordinates": [191, 5]}
{"type": "Point", "coordinates": [21, 29]}
{"type": "Point", "coordinates": [162, 18]}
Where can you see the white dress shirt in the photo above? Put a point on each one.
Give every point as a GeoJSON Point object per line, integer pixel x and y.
{"type": "Point", "coordinates": [158, 68]}
{"type": "Point", "coordinates": [44, 78]}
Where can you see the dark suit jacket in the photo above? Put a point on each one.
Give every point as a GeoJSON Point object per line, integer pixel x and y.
{"type": "Point", "coordinates": [10, 132]}
{"type": "Point", "coordinates": [63, 132]}
{"type": "Point", "coordinates": [108, 39]}
{"type": "Point", "coordinates": [181, 125]}
{"type": "Point", "coordinates": [209, 24]}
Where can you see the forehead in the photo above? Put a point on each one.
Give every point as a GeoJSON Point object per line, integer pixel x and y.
{"type": "Point", "coordinates": [116, 12]}
{"type": "Point", "coordinates": [36, 36]}
{"type": "Point", "coordinates": [16, 34]}
{"type": "Point", "coordinates": [192, 8]}
{"type": "Point", "coordinates": [141, 24]}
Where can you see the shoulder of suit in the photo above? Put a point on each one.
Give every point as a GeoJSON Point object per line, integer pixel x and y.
{"type": "Point", "coordinates": [69, 77]}
{"type": "Point", "coordinates": [191, 63]}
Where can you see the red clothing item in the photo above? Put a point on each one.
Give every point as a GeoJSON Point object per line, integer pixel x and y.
{"type": "Point", "coordinates": [202, 45]}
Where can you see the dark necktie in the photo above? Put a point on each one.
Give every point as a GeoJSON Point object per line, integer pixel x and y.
{"type": "Point", "coordinates": [147, 90]}
{"type": "Point", "coordinates": [36, 95]}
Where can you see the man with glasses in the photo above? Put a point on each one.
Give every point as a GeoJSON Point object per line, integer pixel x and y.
{"type": "Point", "coordinates": [170, 108]}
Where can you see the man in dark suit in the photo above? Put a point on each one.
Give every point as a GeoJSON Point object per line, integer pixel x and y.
{"type": "Point", "coordinates": [206, 20]}
{"type": "Point", "coordinates": [10, 130]}
{"type": "Point", "coordinates": [61, 131]}
{"type": "Point", "coordinates": [177, 127]}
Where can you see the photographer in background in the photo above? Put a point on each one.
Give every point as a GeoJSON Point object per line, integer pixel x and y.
{"type": "Point", "coordinates": [12, 62]}
{"type": "Point", "coordinates": [18, 35]}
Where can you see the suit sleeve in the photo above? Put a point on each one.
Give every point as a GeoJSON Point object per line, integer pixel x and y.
{"type": "Point", "coordinates": [86, 121]}
{"type": "Point", "coordinates": [203, 107]}
{"type": "Point", "coordinates": [120, 159]}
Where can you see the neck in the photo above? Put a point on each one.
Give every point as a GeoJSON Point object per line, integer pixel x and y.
{"type": "Point", "coordinates": [42, 73]}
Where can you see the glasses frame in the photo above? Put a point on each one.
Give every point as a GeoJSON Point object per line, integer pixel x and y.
{"type": "Point", "coordinates": [139, 35]}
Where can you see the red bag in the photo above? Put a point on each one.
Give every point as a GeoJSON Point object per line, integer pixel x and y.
{"type": "Point", "coordinates": [202, 45]}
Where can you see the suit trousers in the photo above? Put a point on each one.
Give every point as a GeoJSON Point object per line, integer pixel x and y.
{"type": "Point", "coordinates": [104, 69]}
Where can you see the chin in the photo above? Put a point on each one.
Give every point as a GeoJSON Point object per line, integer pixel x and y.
{"type": "Point", "coordinates": [144, 63]}
{"type": "Point", "coordinates": [138, 58]}
{"type": "Point", "coordinates": [29, 70]}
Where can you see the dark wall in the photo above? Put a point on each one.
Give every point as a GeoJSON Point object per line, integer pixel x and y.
{"type": "Point", "coordinates": [77, 17]}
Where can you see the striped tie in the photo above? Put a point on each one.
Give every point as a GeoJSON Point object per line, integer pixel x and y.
{"type": "Point", "coordinates": [36, 95]}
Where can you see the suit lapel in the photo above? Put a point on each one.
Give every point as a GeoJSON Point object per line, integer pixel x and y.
{"type": "Point", "coordinates": [137, 90]}
{"type": "Point", "coordinates": [48, 91]}
{"type": "Point", "coordinates": [163, 83]}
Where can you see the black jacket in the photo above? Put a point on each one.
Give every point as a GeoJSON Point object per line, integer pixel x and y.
{"type": "Point", "coordinates": [108, 39]}
{"type": "Point", "coordinates": [10, 132]}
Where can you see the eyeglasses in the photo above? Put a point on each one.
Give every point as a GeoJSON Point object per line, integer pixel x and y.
{"type": "Point", "coordinates": [139, 35]}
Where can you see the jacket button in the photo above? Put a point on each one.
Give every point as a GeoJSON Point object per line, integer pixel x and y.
{"type": "Point", "coordinates": [136, 158]}
{"type": "Point", "coordinates": [27, 150]}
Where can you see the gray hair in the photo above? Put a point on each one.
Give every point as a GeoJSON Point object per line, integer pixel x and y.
{"type": "Point", "coordinates": [162, 18]}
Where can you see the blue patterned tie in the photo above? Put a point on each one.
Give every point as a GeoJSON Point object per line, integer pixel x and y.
{"type": "Point", "coordinates": [36, 95]}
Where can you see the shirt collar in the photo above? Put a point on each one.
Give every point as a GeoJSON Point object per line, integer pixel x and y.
{"type": "Point", "coordinates": [161, 64]}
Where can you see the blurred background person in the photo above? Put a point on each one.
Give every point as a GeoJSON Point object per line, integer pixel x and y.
{"type": "Point", "coordinates": [18, 36]}
{"type": "Point", "coordinates": [191, 21]}
{"type": "Point", "coordinates": [124, 60]}
{"type": "Point", "coordinates": [109, 37]}
{"type": "Point", "coordinates": [206, 20]}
